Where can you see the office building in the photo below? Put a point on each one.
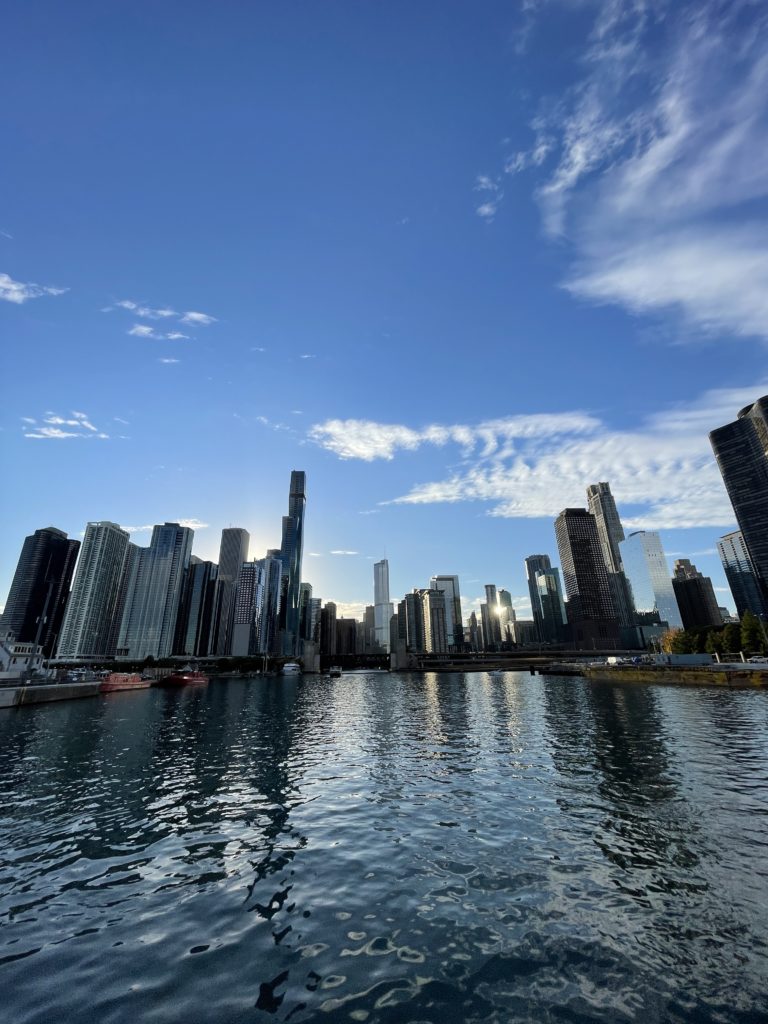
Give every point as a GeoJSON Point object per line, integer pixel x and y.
{"type": "Point", "coordinates": [433, 619]}
{"type": "Point", "coordinates": [741, 575]}
{"type": "Point", "coordinates": [741, 451]}
{"type": "Point", "coordinates": [453, 624]}
{"type": "Point", "coordinates": [328, 629]}
{"type": "Point", "coordinates": [249, 597]}
{"type": "Point", "coordinates": [233, 552]}
{"type": "Point", "coordinates": [196, 621]}
{"type": "Point", "coordinates": [382, 606]}
{"type": "Point", "coordinates": [490, 616]}
{"type": "Point", "coordinates": [695, 596]}
{"type": "Point", "coordinates": [269, 638]}
{"type": "Point", "coordinates": [611, 533]}
{"type": "Point", "coordinates": [413, 620]}
{"type": "Point", "coordinates": [291, 551]}
{"type": "Point", "coordinates": [507, 618]}
{"type": "Point", "coordinates": [38, 596]}
{"type": "Point", "coordinates": [592, 620]}
{"type": "Point", "coordinates": [87, 630]}
{"type": "Point", "coordinates": [645, 565]}
{"type": "Point", "coordinates": [546, 599]}
{"type": "Point", "coordinates": [155, 586]}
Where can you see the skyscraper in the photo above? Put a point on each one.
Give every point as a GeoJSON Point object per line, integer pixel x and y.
{"type": "Point", "coordinates": [87, 630]}
{"type": "Point", "coordinates": [546, 599]}
{"type": "Point", "coordinates": [154, 594]}
{"type": "Point", "coordinates": [435, 634]}
{"type": "Point", "coordinates": [453, 624]}
{"type": "Point", "coordinates": [382, 607]}
{"type": "Point", "coordinates": [249, 597]}
{"type": "Point", "coordinates": [645, 565]}
{"type": "Point", "coordinates": [695, 596]}
{"type": "Point", "coordinates": [195, 623]}
{"type": "Point", "coordinates": [741, 575]}
{"type": "Point", "coordinates": [232, 553]}
{"type": "Point", "coordinates": [491, 619]}
{"type": "Point", "coordinates": [741, 450]}
{"type": "Point", "coordinates": [611, 534]}
{"type": "Point", "coordinates": [268, 623]}
{"type": "Point", "coordinates": [291, 551]}
{"type": "Point", "coordinates": [591, 616]}
{"type": "Point", "coordinates": [40, 588]}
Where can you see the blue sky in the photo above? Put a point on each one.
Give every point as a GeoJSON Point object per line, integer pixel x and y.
{"type": "Point", "coordinates": [455, 261]}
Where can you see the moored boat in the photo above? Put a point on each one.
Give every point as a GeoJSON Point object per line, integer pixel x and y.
{"type": "Point", "coordinates": [184, 677]}
{"type": "Point", "coordinates": [124, 681]}
{"type": "Point", "coordinates": [291, 668]}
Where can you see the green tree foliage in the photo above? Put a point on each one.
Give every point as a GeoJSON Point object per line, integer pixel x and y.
{"type": "Point", "coordinates": [752, 640]}
{"type": "Point", "coordinates": [714, 642]}
{"type": "Point", "coordinates": [732, 638]}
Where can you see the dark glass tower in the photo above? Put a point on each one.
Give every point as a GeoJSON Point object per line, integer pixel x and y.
{"type": "Point", "coordinates": [695, 596]}
{"type": "Point", "coordinates": [40, 588]}
{"type": "Point", "coordinates": [233, 552]}
{"type": "Point", "coordinates": [546, 599]}
{"type": "Point", "coordinates": [591, 614]}
{"type": "Point", "coordinates": [741, 450]}
{"type": "Point", "coordinates": [290, 555]}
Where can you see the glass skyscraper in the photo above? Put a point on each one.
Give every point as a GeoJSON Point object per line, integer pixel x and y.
{"type": "Point", "coordinates": [291, 551]}
{"type": "Point", "coordinates": [592, 619]}
{"type": "Point", "coordinates": [454, 627]}
{"type": "Point", "coordinates": [741, 576]}
{"type": "Point", "coordinates": [546, 599]}
{"type": "Point", "coordinates": [154, 594]}
{"type": "Point", "coordinates": [741, 450]}
{"type": "Point", "coordinates": [87, 630]}
{"type": "Point", "coordinates": [40, 588]}
{"type": "Point", "coordinates": [233, 552]}
{"type": "Point", "coordinates": [382, 607]}
{"type": "Point", "coordinates": [645, 565]}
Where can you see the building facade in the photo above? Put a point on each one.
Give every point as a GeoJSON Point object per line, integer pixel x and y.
{"type": "Point", "coordinates": [695, 596]}
{"type": "Point", "coordinates": [592, 620]}
{"type": "Point", "coordinates": [87, 631]}
{"type": "Point", "coordinates": [291, 553]}
{"type": "Point", "coordinates": [453, 623]}
{"type": "Point", "coordinates": [646, 568]}
{"type": "Point", "coordinates": [40, 588]}
{"type": "Point", "coordinates": [546, 599]}
{"type": "Point", "coordinates": [382, 607]}
{"type": "Point", "coordinates": [741, 451]}
{"type": "Point", "coordinates": [741, 575]}
{"type": "Point", "coordinates": [233, 552]}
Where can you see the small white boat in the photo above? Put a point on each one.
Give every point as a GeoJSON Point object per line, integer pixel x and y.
{"type": "Point", "coordinates": [291, 668]}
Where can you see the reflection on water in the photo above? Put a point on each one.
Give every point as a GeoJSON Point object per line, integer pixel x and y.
{"type": "Point", "coordinates": [387, 848]}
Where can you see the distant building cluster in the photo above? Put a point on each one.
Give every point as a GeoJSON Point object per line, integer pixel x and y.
{"type": "Point", "coordinates": [112, 599]}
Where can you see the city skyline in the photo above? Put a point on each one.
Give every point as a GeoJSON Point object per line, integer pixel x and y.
{"type": "Point", "coordinates": [450, 275]}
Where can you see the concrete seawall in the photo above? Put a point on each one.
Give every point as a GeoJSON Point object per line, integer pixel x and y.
{"type": "Point", "coordinates": [734, 678]}
{"type": "Point", "coordinates": [15, 696]}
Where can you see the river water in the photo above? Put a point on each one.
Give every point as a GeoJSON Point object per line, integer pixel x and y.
{"type": "Point", "coordinates": [386, 848]}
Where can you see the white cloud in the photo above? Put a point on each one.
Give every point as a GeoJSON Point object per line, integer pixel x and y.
{"type": "Point", "coordinates": [308, 355]}
{"type": "Point", "coordinates": [19, 292]}
{"type": "Point", "coordinates": [49, 427]}
{"type": "Point", "coordinates": [145, 312]}
{"type": "Point", "coordinates": [662, 472]}
{"type": "Point", "coordinates": [143, 331]}
{"type": "Point", "coordinates": [193, 524]}
{"type": "Point", "coordinates": [168, 361]}
{"type": "Point", "coordinates": [492, 193]}
{"type": "Point", "coordinates": [257, 348]}
{"type": "Point", "coordinates": [175, 335]}
{"type": "Point", "coordinates": [367, 440]}
{"type": "Point", "coordinates": [656, 159]}
{"type": "Point", "coordinates": [345, 552]}
{"type": "Point", "coordinates": [202, 319]}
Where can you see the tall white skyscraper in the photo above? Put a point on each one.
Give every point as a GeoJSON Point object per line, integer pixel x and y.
{"type": "Point", "coordinates": [232, 553]}
{"type": "Point", "coordinates": [382, 607]}
{"type": "Point", "coordinates": [87, 630]}
{"type": "Point", "coordinates": [154, 594]}
{"type": "Point", "coordinates": [645, 566]}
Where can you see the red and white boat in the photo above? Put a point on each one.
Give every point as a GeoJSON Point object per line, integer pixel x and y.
{"type": "Point", "coordinates": [124, 681]}
{"type": "Point", "coordinates": [184, 677]}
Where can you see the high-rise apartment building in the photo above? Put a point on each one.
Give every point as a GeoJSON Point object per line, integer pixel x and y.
{"type": "Point", "coordinates": [40, 588]}
{"type": "Point", "coordinates": [268, 632]}
{"type": "Point", "coordinates": [249, 597]}
{"type": "Point", "coordinates": [148, 627]}
{"type": "Point", "coordinates": [695, 596]}
{"type": "Point", "coordinates": [546, 599]}
{"type": "Point", "coordinates": [328, 629]}
{"type": "Point", "coordinates": [741, 576]}
{"type": "Point", "coordinates": [453, 624]}
{"type": "Point", "coordinates": [382, 606]}
{"type": "Point", "coordinates": [291, 551]}
{"type": "Point", "coordinates": [196, 621]}
{"type": "Point", "coordinates": [233, 552]}
{"type": "Point", "coordinates": [591, 616]}
{"type": "Point", "coordinates": [645, 565]}
{"type": "Point", "coordinates": [88, 628]}
{"type": "Point", "coordinates": [741, 451]}
{"type": "Point", "coordinates": [413, 619]}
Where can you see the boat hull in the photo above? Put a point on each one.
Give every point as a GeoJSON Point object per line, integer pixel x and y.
{"type": "Point", "coordinates": [182, 679]}
{"type": "Point", "coordinates": [124, 681]}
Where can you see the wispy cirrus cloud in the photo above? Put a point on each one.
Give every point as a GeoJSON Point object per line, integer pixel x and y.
{"type": "Point", "coordinates": [340, 552]}
{"type": "Point", "coordinates": [145, 331]}
{"type": "Point", "coordinates": [654, 166]}
{"type": "Point", "coordinates": [193, 524]}
{"type": "Point", "coordinates": [199, 319]}
{"type": "Point", "coordinates": [52, 427]}
{"type": "Point", "coordinates": [491, 196]}
{"type": "Point", "coordinates": [20, 292]}
{"type": "Point", "coordinates": [168, 360]}
{"type": "Point", "coordinates": [145, 312]}
{"type": "Point", "coordinates": [662, 472]}
{"type": "Point", "coordinates": [368, 440]}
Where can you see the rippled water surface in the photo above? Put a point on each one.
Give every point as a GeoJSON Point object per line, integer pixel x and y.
{"type": "Point", "coordinates": [386, 848]}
